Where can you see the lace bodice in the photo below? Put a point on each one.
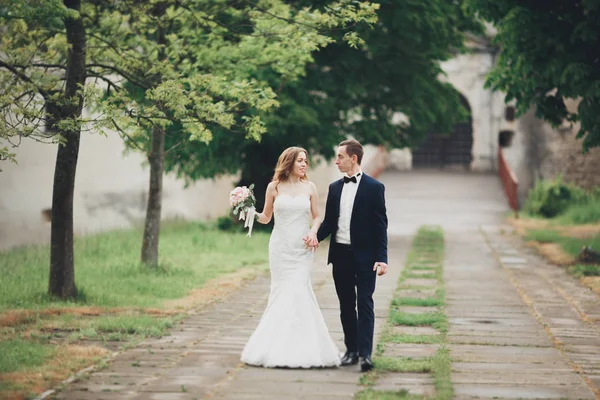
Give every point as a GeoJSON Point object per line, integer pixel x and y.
{"type": "Point", "coordinates": [291, 224]}
{"type": "Point", "coordinates": [292, 212]}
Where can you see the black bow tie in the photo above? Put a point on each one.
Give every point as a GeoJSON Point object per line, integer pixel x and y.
{"type": "Point", "coordinates": [348, 179]}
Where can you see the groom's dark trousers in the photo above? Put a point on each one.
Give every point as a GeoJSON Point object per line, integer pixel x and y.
{"type": "Point", "coordinates": [353, 264]}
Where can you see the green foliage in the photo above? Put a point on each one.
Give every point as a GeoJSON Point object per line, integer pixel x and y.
{"type": "Point", "coordinates": [548, 54]}
{"type": "Point", "coordinates": [193, 64]}
{"type": "Point", "coordinates": [196, 64]}
{"type": "Point", "coordinates": [348, 90]}
{"type": "Point", "coordinates": [33, 58]}
{"type": "Point", "coordinates": [552, 198]}
{"type": "Point", "coordinates": [225, 223]}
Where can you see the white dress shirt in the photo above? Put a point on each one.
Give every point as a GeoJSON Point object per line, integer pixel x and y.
{"type": "Point", "coordinates": [346, 204]}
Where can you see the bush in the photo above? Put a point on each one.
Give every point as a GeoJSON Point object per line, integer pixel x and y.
{"type": "Point", "coordinates": [226, 223]}
{"type": "Point", "coordinates": [551, 198]}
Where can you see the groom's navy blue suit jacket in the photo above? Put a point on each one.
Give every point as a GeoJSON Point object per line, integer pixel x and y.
{"type": "Point", "coordinates": [368, 223]}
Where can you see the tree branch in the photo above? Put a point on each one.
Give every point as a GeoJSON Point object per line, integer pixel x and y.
{"type": "Point", "coordinates": [110, 83]}
{"type": "Point", "coordinates": [22, 76]}
{"type": "Point", "coordinates": [122, 132]}
{"type": "Point", "coordinates": [120, 72]}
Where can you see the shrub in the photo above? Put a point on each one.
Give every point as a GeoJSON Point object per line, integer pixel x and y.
{"type": "Point", "coordinates": [226, 223]}
{"type": "Point", "coordinates": [551, 198]}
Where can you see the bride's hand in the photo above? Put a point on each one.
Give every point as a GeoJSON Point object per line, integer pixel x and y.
{"type": "Point", "coordinates": [310, 240]}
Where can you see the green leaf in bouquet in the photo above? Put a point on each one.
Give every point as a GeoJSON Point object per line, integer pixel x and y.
{"type": "Point", "coordinates": [251, 187]}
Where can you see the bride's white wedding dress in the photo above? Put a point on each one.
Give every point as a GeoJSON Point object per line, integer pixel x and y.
{"type": "Point", "coordinates": [291, 332]}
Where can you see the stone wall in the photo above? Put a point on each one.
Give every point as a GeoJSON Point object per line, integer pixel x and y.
{"type": "Point", "coordinates": [111, 190]}
{"type": "Point", "coordinates": [557, 152]}
{"type": "Point", "coordinates": [567, 159]}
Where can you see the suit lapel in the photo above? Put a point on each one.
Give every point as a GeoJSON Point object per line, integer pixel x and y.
{"type": "Point", "coordinates": [359, 195]}
{"type": "Point", "coordinates": [338, 193]}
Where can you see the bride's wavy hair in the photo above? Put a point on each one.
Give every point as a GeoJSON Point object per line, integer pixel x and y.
{"type": "Point", "coordinates": [285, 164]}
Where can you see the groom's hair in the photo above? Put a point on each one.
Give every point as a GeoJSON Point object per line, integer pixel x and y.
{"type": "Point", "coordinates": [353, 147]}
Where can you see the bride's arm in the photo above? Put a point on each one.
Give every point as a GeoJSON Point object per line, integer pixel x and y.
{"type": "Point", "coordinates": [310, 239]}
{"type": "Point", "coordinates": [265, 216]}
{"type": "Point", "coordinates": [314, 210]}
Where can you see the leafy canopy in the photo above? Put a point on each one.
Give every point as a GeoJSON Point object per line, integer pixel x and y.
{"type": "Point", "coordinates": [170, 63]}
{"type": "Point", "coordinates": [549, 53]}
{"type": "Point", "coordinates": [350, 90]}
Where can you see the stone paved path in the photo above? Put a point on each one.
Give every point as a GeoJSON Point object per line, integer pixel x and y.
{"type": "Point", "coordinates": [200, 359]}
{"type": "Point", "coordinates": [518, 329]}
{"type": "Point", "coordinates": [498, 347]}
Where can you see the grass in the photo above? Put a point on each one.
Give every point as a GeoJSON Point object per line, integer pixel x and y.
{"type": "Point", "coordinates": [442, 371]}
{"type": "Point", "coordinates": [108, 272]}
{"type": "Point", "coordinates": [417, 339]}
{"type": "Point", "coordinates": [43, 340]}
{"type": "Point", "coordinates": [560, 239]}
{"type": "Point", "coordinates": [427, 248]}
{"type": "Point", "coordinates": [18, 354]}
{"type": "Point", "coordinates": [410, 319]}
{"type": "Point", "coordinates": [410, 301]}
{"type": "Point", "coordinates": [571, 245]}
{"type": "Point", "coordinates": [386, 395]}
{"type": "Point", "coordinates": [402, 364]}
{"type": "Point", "coordinates": [577, 214]}
{"type": "Point", "coordinates": [581, 270]}
{"type": "Point", "coordinates": [566, 251]}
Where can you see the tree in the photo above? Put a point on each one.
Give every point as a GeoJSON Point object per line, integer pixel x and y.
{"type": "Point", "coordinates": [42, 75]}
{"type": "Point", "coordinates": [353, 91]}
{"type": "Point", "coordinates": [55, 56]}
{"type": "Point", "coordinates": [549, 53]}
{"type": "Point", "coordinates": [208, 56]}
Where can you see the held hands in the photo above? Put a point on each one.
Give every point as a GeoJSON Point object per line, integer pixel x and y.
{"type": "Point", "coordinates": [310, 240]}
{"type": "Point", "coordinates": [381, 268]}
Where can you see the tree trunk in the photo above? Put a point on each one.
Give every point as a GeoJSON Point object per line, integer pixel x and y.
{"type": "Point", "coordinates": [156, 159]}
{"type": "Point", "coordinates": [62, 270]}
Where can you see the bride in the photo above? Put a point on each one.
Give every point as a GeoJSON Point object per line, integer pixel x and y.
{"type": "Point", "coordinates": [291, 332]}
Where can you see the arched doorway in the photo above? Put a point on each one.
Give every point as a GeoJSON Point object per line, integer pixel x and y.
{"type": "Point", "coordinates": [439, 151]}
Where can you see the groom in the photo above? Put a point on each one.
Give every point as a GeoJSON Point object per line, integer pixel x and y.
{"type": "Point", "coordinates": [355, 217]}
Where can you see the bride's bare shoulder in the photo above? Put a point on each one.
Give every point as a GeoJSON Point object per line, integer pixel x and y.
{"type": "Point", "coordinates": [271, 186]}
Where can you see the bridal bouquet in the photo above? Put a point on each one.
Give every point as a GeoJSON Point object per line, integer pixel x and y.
{"type": "Point", "coordinates": [242, 201]}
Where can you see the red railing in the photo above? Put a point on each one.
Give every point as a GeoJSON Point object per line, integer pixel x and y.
{"type": "Point", "coordinates": [509, 180]}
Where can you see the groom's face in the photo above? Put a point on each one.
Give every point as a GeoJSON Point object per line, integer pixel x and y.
{"type": "Point", "coordinates": [343, 161]}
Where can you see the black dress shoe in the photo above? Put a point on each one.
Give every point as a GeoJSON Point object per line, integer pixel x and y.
{"type": "Point", "coordinates": [366, 364]}
{"type": "Point", "coordinates": [349, 358]}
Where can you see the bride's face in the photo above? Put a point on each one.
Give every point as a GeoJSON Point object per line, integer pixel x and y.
{"type": "Point", "coordinates": [300, 165]}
